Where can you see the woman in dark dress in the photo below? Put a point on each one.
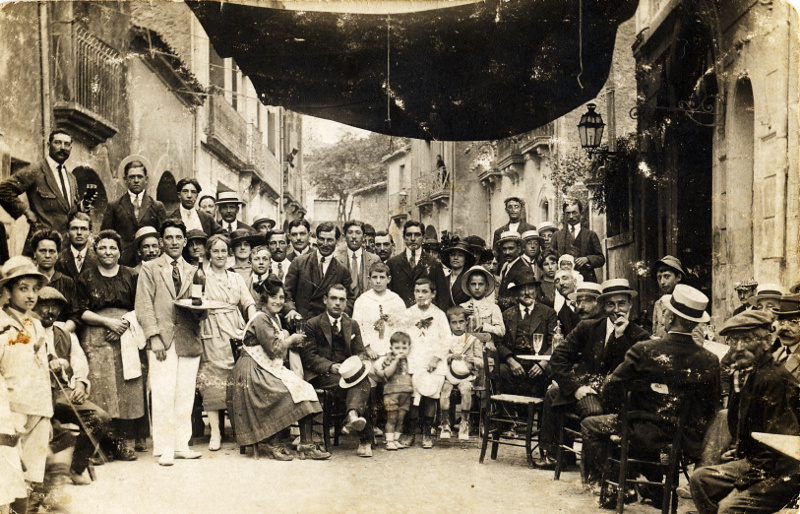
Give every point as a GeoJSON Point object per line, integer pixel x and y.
{"type": "Point", "coordinates": [104, 295]}
{"type": "Point", "coordinates": [263, 395]}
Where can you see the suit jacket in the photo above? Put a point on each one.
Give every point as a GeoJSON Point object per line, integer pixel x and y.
{"type": "Point", "coordinates": [541, 320]}
{"type": "Point", "coordinates": [585, 359]}
{"type": "Point", "coordinates": [403, 278]}
{"type": "Point", "coordinates": [156, 310]}
{"type": "Point", "coordinates": [792, 363]}
{"type": "Point", "coordinates": [769, 401]}
{"type": "Point", "coordinates": [691, 373]}
{"type": "Point", "coordinates": [236, 226]}
{"type": "Point", "coordinates": [523, 227]}
{"type": "Point", "coordinates": [66, 262]}
{"type": "Point", "coordinates": [120, 217]}
{"type": "Point", "coordinates": [210, 226]}
{"type": "Point", "coordinates": [306, 287]}
{"type": "Point", "coordinates": [317, 353]}
{"type": "Point", "coordinates": [367, 258]}
{"type": "Point", "coordinates": [507, 299]}
{"type": "Point", "coordinates": [587, 245]}
{"type": "Point", "coordinates": [44, 197]}
{"type": "Point", "coordinates": [569, 319]}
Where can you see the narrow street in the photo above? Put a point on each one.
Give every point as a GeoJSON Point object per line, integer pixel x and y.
{"type": "Point", "coordinates": [414, 480]}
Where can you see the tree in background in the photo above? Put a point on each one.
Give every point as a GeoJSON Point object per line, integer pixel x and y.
{"type": "Point", "coordinates": [336, 170]}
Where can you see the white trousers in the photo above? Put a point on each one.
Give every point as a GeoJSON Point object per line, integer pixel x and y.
{"type": "Point", "coordinates": [172, 385]}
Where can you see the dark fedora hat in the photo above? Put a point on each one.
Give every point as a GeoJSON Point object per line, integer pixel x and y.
{"type": "Point", "coordinates": [460, 246]}
{"type": "Point", "coordinates": [789, 306]}
{"type": "Point", "coordinates": [526, 278]}
{"type": "Point", "coordinates": [241, 235]}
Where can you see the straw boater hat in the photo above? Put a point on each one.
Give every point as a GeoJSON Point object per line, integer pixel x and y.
{"type": "Point", "coordinates": [458, 372]}
{"type": "Point", "coordinates": [131, 158]}
{"type": "Point", "coordinates": [616, 286]}
{"type": "Point", "coordinates": [768, 292]}
{"type": "Point", "coordinates": [353, 370]}
{"type": "Point", "coordinates": [586, 288]}
{"type": "Point", "coordinates": [789, 307]}
{"type": "Point", "coordinates": [546, 225]}
{"type": "Point", "coordinates": [143, 233]}
{"type": "Point", "coordinates": [490, 283]}
{"type": "Point", "coordinates": [670, 262]}
{"type": "Point", "coordinates": [508, 235]}
{"type": "Point", "coordinates": [531, 234]}
{"type": "Point", "coordinates": [51, 294]}
{"type": "Point", "coordinates": [224, 197]}
{"type": "Point", "coordinates": [20, 266]}
{"type": "Point", "coordinates": [461, 246]}
{"type": "Point", "coordinates": [264, 219]}
{"type": "Point", "coordinates": [427, 384]}
{"type": "Point", "coordinates": [748, 320]}
{"type": "Point", "coordinates": [688, 303]}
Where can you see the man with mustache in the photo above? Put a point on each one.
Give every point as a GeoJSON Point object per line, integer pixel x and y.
{"type": "Point", "coordinates": [384, 245]}
{"type": "Point", "coordinates": [789, 334]}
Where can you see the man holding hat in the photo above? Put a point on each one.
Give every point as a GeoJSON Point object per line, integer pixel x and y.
{"type": "Point", "coordinates": [690, 373]}
{"type": "Point", "coordinates": [789, 334]}
{"type": "Point", "coordinates": [580, 242]}
{"type": "Point", "coordinates": [745, 289]}
{"type": "Point", "coordinates": [514, 208]}
{"type": "Point", "coordinates": [228, 205]}
{"type": "Point", "coordinates": [764, 397]}
{"type": "Point", "coordinates": [335, 359]}
{"type": "Point", "coordinates": [134, 209]}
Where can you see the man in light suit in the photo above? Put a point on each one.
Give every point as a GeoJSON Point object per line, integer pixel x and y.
{"type": "Point", "coordinates": [312, 274]}
{"type": "Point", "coordinates": [355, 258]}
{"type": "Point", "coordinates": [78, 255]}
{"type": "Point", "coordinates": [51, 188]}
{"type": "Point", "coordinates": [188, 192]}
{"type": "Point", "coordinates": [514, 208]}
{"type": "Point", "coordinates": [580, 242]}
{"type": "Point", "coordinates": [173, 338]}
{"type": "Point", "coordinates": [134, 209]}
{"type": "Point", "coordinates": [413, 264]}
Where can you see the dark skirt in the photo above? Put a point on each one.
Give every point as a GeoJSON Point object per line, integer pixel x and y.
{"type": "Point", "coordinates": [120, 398]}
{"type": "Point", "coordinates": [259, 404]}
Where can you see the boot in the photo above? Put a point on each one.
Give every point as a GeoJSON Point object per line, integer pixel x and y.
{"type": "Point", "coordinates": [311, 451]}
{"type": "Point", "coordinates": [275, 451]}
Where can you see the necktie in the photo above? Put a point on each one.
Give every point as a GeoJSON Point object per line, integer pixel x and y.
{"type": "Point", "coordinates": [79, 261]}
{"type": "Point", "coordinates": [354, 269]}
{"type": "Point", "coordinates": [526, 313]}
{"type": "Point", "coordinates": [176, 277]}
{"type": "Point", "coordinates": [136, 206]}
{"type": "Point", "coordinates": [321, 268]}
{"type": "Point", "coordinates": [335, 328]}
{"type": "Point", "coordinates": [63, 182]}
{"type": "Point", "coordinates": [413, 259]}
{"type": "Point", "coordinates": [570, 305]}
{"type": "Point", "coordinates": [280, 271]}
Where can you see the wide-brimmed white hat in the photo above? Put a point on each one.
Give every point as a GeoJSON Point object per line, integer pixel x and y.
{"type": "Point", "coordinates": [490, 281]}
{"type": "Point", "coordinates": [353, 370]}
{"type": "Point", "coordinates": [458, 371]}
{"type": "Point", "coordinates": [616, 286]}
{"type": "Point", "coordinates": [20, 266]}
{"type": "Point", "coordinates": [688, 303]}
{"type": "Point", "coordinates": [427, 384]}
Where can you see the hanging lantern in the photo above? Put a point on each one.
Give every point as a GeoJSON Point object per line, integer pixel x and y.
{"type": "Point", "coordinates": [590, 128]}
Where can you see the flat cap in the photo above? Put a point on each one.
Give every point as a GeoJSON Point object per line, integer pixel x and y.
{"type": "Point", "coordinates": [748, 320]}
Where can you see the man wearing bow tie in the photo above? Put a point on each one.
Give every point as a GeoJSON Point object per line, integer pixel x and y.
{"type": "Point", "coordinates": [51, 189]}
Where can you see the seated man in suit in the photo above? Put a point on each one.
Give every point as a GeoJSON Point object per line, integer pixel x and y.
{"type": "Point", "coordinates": [523, 322]}
{"type": "Point", "coordinates": [590, 353]}
{"type": "Point", "coordinates": [580, 242]}
{"type": "Point", "coordinates": [684, 371]}
{"type": "Point", "coordinates": [79, 254]}
{"type": "Point", "coordinates": [764, 398]}
{"type": "Point", "coordinates": [332, 338]}
{"type": "Point", "coordinates": [134, 209]}
{"type": "Point", "coordinates": [413, 264]}
{"type": "Point", "coordinates": [194, 219]}
{"type": "Point", "coordinates": [312, 274]}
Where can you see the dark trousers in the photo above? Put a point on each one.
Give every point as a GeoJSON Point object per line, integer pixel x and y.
{"type": "Point", "coordinates": [356, 398]}
{"type": "Point", "coordinates": [596, 432]}
{"type": "Point", "coordinates": [522, 385]}
{"type": "Point", "coordinates": [714, 490]}
{"type": "Point", "coordinates": [95, 419]}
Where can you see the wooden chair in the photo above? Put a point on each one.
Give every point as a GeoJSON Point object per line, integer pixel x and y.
{"type": "Point", "coordinates": [498, 410]}
{"type": "Point", "coordinates": [566, 421]}
{"type": "Point", "coordinates": [670, 458]}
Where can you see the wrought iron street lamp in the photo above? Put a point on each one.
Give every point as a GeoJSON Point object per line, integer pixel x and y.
{"type": "Point", "coordinates": [590, 129]}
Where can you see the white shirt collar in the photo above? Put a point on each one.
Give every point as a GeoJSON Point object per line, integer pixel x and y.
{"type": "Point", "coordinates": [79, 253]}
{"type": "Point", "coordinates": [133, 196]}
{"type": "Point", "coordinates": [513, 227]}
{"type": "Point", "coordinates": [418, 252]}
{"type": "Point", "coordinates": [53, 164]}
{"type": "Point", "coordinates": [357, 253]}
{"type": "Point", "coordinates": [334, 321]}
{"type": "Point", "coordinates": [530, 308]}
{"type": "Point", "coordinates": [574, 229]}
{"type": "Point", "coordinates": [609, 329]}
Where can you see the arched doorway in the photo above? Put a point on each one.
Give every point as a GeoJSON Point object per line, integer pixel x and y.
{"type": "Point", "coordinates": [739, 187]}
{"type": "Point", "coordinates": [167, 191]}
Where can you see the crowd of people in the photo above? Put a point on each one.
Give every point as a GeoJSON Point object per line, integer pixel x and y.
{"type": "Point", "coordinates": [107, 338]}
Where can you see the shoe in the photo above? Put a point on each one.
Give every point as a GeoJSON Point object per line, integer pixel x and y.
{"type": "Point", "coordinates": [166, 459]}
{"type": "Point", "coordinates": [123, 452]}
{"type": "Point", "coordinates": [510, 434]}
{"type": "Point", "coordinates": [391, 446]}
{"type": "Point", "coordinates": [140, 446]}
{"type": "Point", "coordinates": [214, 443]}
{"type": "Point", "coordinates": [463, 431]}
{"type": "Point", "coordinates": [277, 452]}
{"type": "Point", "coordinates": [446, 432]}
{"type": "Point", "coordinates": [685, 492]}
{"type": "Point", "coordinates": [406, 441]}
{"type": "Point", "coordinates": [545, 462]}
{"type": "Point", "coordinates": [188, 454]}
{"type": "Point", "coordinates": [364, 450]}
{"type": "Point", "coordinates": [355, 423]}
{"type": "Point", "coordinates": [311, 451]}
{"type": "Point", "coordinates": [98, 461]}
{"type": "Point", "coordinates": [79, 478]}
{"type": "Point", "coordinates": [377, 432]}
{"type": "Point", "coordinates": [427, 441]}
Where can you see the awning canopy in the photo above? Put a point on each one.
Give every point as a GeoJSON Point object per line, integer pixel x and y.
{"type": "Point", "coordinates": [472, 72]}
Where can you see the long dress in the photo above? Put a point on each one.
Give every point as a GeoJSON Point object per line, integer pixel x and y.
{"type": "Point", "coordinates": [264, 396]}
{"type": "Point", "coordinates": [110, 297]}
{"type": "Point", "coordinates": [217, 330]}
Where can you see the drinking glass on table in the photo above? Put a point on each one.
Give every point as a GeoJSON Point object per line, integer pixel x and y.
{"type": "Point", "coordinates": [300, 326]}
{"type": "Point", "coordinates": [538, 339]}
